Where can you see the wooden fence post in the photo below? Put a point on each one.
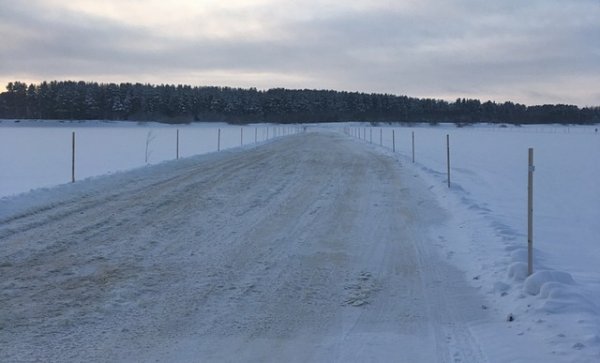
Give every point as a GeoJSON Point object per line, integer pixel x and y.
{"type": "Point", "coordinates": [370, 135]}
{"type": "Point", "coordinates": [73, 158]}
{"type": "Point", "coordinates": [413, 146]}
{"type": "Point", "coordinates": [530, 213]}
{"type": "Point", "coordinates": [255, 135]}
{"type": "Point", "coordinates": [219, 141]}
{"type": "Point", "coordinates": [380, 136]}
{"type": "Point", "coordinates": [177, 148]}
{"type": "Point", "coordinates": [393, 140]}
{"type": "Point", "coordinates": [448, 156]}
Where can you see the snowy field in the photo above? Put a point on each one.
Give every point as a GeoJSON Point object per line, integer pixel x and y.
{"type": "Point", "coordinates": [487, 233]}
{"type": "Point", "coordinates": [321, 246]}
{"type": "Point", "coordinates": [37, 154]}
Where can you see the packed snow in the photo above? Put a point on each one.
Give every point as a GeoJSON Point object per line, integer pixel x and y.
{"type": "Point", "coordinates": [321, 246]}
{"type": "Point", "coordinates": [486, 233]}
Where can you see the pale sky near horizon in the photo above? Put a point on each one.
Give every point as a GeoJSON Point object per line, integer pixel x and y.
{"type": "Point", "coordinates": [532, 52]}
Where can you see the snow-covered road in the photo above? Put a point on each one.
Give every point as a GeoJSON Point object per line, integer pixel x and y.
{"type": "Point", "coordinates": [307, 248]}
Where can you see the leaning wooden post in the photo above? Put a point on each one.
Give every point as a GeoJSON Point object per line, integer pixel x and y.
{"type": "Point", "coordinates": [393, 140]}
{"type": "Point", "coordinates": [219, 140]}
{"type": "Point", "coordinates": [530, 213]}
{"type": "Point", "coordinates": [448, 157]}
{"type": "Point", "coordinates": [413, 146]}
{"type": "Point", "coordinates": [177, 149]}
{"type": "Point", "coordinates": [73, 158]}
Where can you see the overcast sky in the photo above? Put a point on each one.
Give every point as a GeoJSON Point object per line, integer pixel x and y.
{"type": "Point", "coordinates": [528, 51]}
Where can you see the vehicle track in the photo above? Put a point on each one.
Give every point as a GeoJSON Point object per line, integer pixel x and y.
{"type": "Point", "coordinates": [309, 248]}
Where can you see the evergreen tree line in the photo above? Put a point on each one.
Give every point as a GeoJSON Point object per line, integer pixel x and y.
{"type": "Point", "coordinates": [176, 104]}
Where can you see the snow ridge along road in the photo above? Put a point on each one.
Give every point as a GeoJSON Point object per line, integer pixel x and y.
{"type": "Point", "coordinates": [308, 248]}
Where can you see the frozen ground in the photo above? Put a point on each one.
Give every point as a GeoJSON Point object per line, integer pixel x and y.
{"type": "Point", "coordinates": [308, 248]}
{"type": "Point", "coordinates": [485, 234]}
{"type": "Point", "coordinates": [38, 153]}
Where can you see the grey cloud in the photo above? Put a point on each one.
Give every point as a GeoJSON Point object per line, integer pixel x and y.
{"type": "Point", "coordinates": [469, 47]}
{"type": "Point", "coordinates": [68, 43]}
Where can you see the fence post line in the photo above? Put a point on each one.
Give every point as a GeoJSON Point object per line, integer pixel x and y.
{"type": "Point", "coordinates": [393, 140]}
{"type": "Point", "coordinates": [448, 156]}
{"type": "Point", "coordinates": [177, 148]}
{"type": "Point", "coordinates": [413, 146]}
{"type": "Point", "coordinates": [73, 158]}
{"type": "Point", "coordinates": [219, 141]}
{"type": "Point", "coordinates": [530, 213]}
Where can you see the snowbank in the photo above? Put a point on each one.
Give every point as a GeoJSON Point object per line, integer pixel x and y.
{"type": "Point", "coordinates": [485, 234]}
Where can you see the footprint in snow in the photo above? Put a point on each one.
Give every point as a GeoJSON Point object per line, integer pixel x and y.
{"type": "Point", "coordinates": [360, 290]}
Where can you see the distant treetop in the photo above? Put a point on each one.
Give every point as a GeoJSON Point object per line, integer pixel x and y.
{"type": "Point", "coordinates": [181, 103]}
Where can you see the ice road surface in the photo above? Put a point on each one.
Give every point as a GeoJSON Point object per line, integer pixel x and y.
{"type": "Point", "coordinates": [311, 247]}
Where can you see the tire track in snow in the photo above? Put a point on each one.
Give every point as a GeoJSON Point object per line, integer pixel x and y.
{"type": "Point", "coordinates": [308, 248]}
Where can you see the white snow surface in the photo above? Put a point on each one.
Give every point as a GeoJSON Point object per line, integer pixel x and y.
{"type": "Point", "coordinates": [38, 153]}
{"type": "Point", "coordinates": [313, 247]}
